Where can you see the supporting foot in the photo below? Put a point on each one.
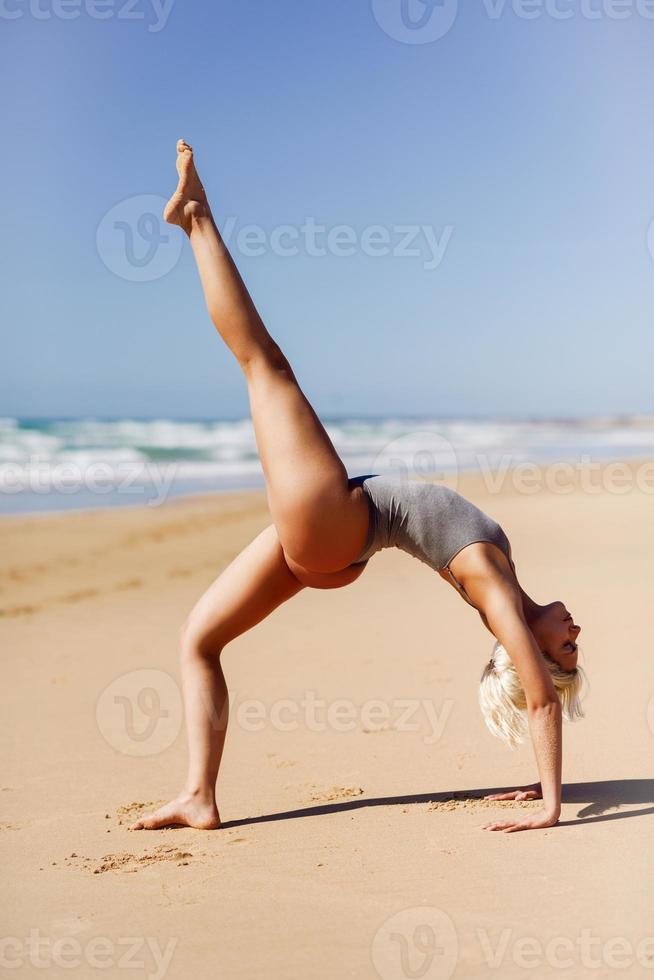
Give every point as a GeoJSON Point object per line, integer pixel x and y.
{"type": "Point", "coordinates": [189, 200]}
{"type": "Point", "coordinates": [187, 810]}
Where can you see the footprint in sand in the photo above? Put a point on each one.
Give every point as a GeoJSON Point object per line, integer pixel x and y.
{"type": "Point", "coordinates": [16, 611]}
{"type": "Point", "coordinates": [128, 814]}
{"type": "Point", "coordinates": [133, 583]}
{"type": "Point", "coordinates": [127, 862]}
{"type": "Point", "coordinates": [79, 596]}
{"type": "Point", "coordinates": [336, 793]}
{"type": "Point", "coordinates": [475, 803]}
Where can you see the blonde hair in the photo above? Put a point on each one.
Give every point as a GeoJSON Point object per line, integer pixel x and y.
{"type": "Point", "coordinates": [502, 697]}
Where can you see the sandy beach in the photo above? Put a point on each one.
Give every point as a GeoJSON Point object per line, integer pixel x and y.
{"type": "Point", "coordinates": [353, 767]}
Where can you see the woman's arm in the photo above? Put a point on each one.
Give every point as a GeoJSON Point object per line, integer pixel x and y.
{"type": "Point", "coordinates": [502, 609]}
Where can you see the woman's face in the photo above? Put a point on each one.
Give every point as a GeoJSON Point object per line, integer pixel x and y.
{"type": "Point", "coordinates": [556, 634]}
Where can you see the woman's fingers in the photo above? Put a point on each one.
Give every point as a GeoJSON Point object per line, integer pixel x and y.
{"type": "Point", "coordinates": [507, 826]}
{"type": "Point", "coordinates": [511, 826]}
{"type": "Point", "coordinates": [517, 794]}
{"type": "Point", "coordinates": [538, 821]}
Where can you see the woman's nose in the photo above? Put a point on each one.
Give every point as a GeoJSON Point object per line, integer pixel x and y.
{"type": "Point", "coordinates": [576, 630]}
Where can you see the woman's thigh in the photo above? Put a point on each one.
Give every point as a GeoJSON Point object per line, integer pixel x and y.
{"type": "Point", "coordinates": [252, 586]}
{"type": "Point", "coordinates": [321, 519]}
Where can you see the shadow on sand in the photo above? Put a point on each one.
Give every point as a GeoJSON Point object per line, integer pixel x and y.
{"type": "Point", "coordinates": [597, 798]}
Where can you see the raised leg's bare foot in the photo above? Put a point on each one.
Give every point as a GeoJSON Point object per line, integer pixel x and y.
{"type": "Point", "coordinates": [189, 200]}
{"type": "Point", "coordinates": [187, 810]}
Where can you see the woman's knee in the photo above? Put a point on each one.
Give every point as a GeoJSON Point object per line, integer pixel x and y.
{"type": "Point", "coordinates": [196, 640]}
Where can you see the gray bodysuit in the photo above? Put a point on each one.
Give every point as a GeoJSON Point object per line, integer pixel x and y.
{"type": "Point", "coordinates": [429, 521]}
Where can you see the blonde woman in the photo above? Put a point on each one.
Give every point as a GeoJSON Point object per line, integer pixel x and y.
{"type": "Point", "coordinates": [325, 528]}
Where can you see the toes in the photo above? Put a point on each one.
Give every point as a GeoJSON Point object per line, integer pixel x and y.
{"type": "Point", "coordinates": [182, 146]}
{"type": "Point", "coordinates": [145, 823]}
{"type": "Point", "coordinates": [152, 822]}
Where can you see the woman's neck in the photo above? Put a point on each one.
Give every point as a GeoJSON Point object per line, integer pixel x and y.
{"type": "Point", "coordinates": [530, 608]}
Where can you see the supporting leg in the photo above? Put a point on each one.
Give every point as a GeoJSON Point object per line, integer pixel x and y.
{"type": "Point", "coordinates": [249, 589]}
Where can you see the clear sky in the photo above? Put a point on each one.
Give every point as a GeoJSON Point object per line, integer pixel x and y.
{"type": "Point", "coordinates": [523, 145]}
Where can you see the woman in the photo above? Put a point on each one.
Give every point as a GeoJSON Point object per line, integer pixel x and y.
{"type": "Point", "coordinates": [325, 528]}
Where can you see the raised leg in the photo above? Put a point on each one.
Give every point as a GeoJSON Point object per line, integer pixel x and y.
{"type": "Point", "coordinates": [322, 522]}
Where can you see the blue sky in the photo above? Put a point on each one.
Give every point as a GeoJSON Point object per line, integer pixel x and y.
{"type": "Point", "coordinates": [525, 147]}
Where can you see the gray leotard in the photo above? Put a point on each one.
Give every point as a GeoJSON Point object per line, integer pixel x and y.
{"type": "Point", "coordinates": [429, 521]}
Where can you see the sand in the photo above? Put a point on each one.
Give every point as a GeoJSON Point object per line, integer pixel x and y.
{"type": "Point", "coordinates": [349, 791]}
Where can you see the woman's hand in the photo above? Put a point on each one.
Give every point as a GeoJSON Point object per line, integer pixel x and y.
{"type": "Point", "coordinates": [534, 792]}
{"type": "Point", "coordinates": [537, 821]}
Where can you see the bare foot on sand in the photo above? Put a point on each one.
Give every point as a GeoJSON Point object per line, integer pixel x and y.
{"type": "Point", "coordinates": [189, 200]}
{"type": "Point", "coordinates": [186, 811]}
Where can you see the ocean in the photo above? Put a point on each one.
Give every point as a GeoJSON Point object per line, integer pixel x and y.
{"type": "Point", "coordinates": [63, 464]}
